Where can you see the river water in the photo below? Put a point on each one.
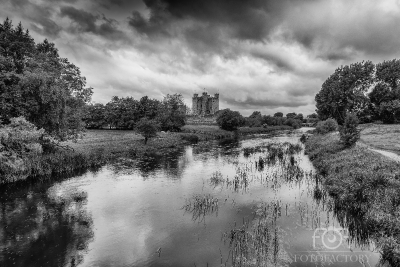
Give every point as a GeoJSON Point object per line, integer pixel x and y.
{"type": "Point", "coordinates": [213, 204]}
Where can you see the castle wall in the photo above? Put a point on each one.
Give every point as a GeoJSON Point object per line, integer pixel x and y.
{"type": "Point", "coordinates": [205, 104]}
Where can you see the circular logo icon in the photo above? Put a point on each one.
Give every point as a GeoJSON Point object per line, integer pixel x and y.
{"type": "Point", "coordinates": [332, 238]}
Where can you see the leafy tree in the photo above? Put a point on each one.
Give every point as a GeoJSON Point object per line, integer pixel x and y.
{"type": "Point", "coordinates": [230, 120]}
{"type": "Point", "coordinates": [291, 115]}
{"type": "Point", "coordinates": [313, 116]}
{"type": "Point", "coordinates": [147, 128]}
{"type": "Point", "coordinates": [172, 114]}
{"type": "Point", "coordinates": [344, 91]}
{"type": "Point", "coordinates": [299, 117]}
{"type": "Point", "coordinates": [122, 113]}
{"type": "Point", "coordinates": [389, 111]}
{"type": "Point", "coordinates": [349, 134]}
{"type": "Point", "coordinates": [35, 82]}
{"type": "Point", "coordinates": [293, 123]}
{"type": "Point", "coordinates": [256, 115]}
{"type": "Point", "coordinates": [278, 114]}
{"type": "Point", "coordinates": [95, 116]}
{"type": "Point", "coordinates": [389, 72]}
{"type": "Point", "coordinates": [385, 95]}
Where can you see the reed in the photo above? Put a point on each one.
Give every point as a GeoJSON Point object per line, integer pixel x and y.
{"type": "Point", "coordinates": [200, 206]}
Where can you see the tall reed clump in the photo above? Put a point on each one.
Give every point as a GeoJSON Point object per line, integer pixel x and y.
{"type": "Point", "coordinates": [200, 206]}
{"type": "Point", "coordinates": [365, 187]}
{"type": "Point", "coordinates": [258, 242]}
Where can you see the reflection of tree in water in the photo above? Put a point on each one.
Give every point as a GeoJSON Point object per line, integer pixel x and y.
{"type": "Point", "coordinates": [40, 227]}
{"type": "Point", "coordinates": [152, 161]}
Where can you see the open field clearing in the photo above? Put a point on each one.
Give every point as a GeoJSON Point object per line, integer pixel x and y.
{"type": "Point", "coordinates": [381, 136]}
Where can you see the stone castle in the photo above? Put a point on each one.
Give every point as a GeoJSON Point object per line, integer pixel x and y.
{"type": "Point", "coordinates": [205, 104]}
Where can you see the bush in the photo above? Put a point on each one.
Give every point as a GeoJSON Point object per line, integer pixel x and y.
{"type": "Point", "coordinates": [293, 123]}
{"type": "Point", "coordinates": [190, 138]}
{"type": "Point", "coordinates": [349, 134]}
{"type": "Point", "coordinates": [230, 120]}
{"type": "Point", "coordinates": [329, 125]}
{"type": "Point", "coordinates": [147, 128]}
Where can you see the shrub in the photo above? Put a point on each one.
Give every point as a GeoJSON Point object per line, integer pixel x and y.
{"type": "Point", "coordinates": [349, 134]}
{"type": "Point", "coordinates": [303, 138]}
{"type": "Point", "coordinates": [230, 120]}
{"type": "Point", "coordinates": [293, 123]}
{"type": "Point", "coordinates": [147, 128]}
{"type": "Point", "coordinates": [190, 138]}
{"type": "Point", "coordinates": [329, 125]}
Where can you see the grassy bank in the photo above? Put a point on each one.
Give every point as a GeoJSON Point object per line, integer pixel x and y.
{"type": "Point", "coordinates": [365, 187]}
{"type": "Point", "coordinates": [381, 136]}
{"type": "Point", "coordinates": [101, 146]}
{"type": "Point", "coordinates": [210, 132]}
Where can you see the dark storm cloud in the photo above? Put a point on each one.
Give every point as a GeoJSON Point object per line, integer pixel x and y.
{"type": "Point", "coordinates": [244, 19]}
{"type": "Point", "coordinates": [39, 15]}
{"type": "Point", "coordinates": [265, 103]}
{"type": "Point", "coordinates": [84, 21]}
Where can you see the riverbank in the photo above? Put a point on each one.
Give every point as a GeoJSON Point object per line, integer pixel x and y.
{"type": "Point", "coordinates": [101, 146]}
{"type": "Point", "coordinates": [365, 186]}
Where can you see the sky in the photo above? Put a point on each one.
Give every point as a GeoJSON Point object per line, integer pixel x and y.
{"type": "Point", "coordinates": [259, 55]}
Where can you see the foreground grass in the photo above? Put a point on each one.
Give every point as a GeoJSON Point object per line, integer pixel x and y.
{"type": "Point", "coordinates": [381, 136]}
{"type": "Point", "coordinates": [365, 187]}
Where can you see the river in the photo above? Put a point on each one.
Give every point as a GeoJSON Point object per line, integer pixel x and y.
{"type": "Point", "coordinates": [222, 203]}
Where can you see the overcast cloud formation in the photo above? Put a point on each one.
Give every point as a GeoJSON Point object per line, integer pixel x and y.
{"type": "Point", "coordinates": [266, 55]}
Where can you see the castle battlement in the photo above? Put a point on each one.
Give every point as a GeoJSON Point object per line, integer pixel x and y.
{"type": "Point", "coordinates": [205, 104]}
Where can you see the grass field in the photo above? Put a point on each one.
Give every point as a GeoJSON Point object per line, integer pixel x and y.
{"type": "Point", "coordinates": [381, 136]}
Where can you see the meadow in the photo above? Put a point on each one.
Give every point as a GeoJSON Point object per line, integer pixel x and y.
{"type": "Point", "coordinates": [381, 136]}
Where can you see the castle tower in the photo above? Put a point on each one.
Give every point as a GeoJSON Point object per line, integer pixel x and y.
{"type": "Point", "coordinates": [205, 104]}
{"type": "Point", "coordinates": [194, 104]}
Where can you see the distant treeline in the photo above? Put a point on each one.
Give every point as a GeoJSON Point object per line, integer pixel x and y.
{"type": "Point", "coordinates": [291, 119]}
{"type": "Point", "coordinates": [126, 112]}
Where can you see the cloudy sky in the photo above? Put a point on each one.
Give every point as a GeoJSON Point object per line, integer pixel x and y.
{"type": "Point", "coordinates": [266, 55]}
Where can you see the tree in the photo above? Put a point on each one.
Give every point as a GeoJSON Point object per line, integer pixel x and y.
{"type": "Point", "coordinates": [35, 82]}
{"type": "Point", "coordinates": [344, 91]}
{"type": "Point", "coordinates": [230, 120]}
{"type": "Point", "coordinates": [172, 114]}
{"type": "Point", "coordinates": [278, 114]}
{"type": "Point", "coordinates": [291, 115]}
{"type": "Point", "coordinates": [95, 116]}
{"type": "Point", "coordinates": [147, 128]}
{"type": "Point", "coordinates": [385, 95]}
{"type": "Point", "coordinates": [299, 117]}
{"type": "Point", "coordinates": [349, 134]}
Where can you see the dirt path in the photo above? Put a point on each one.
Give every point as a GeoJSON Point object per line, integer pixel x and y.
{"type": "Point", "coordinates": [388, 154]}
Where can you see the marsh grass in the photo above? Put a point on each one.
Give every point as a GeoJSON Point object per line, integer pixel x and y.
{"type": "Point", "coordinates": [200, 206]}
{"type": "Point", "coordinates": [365, 187]}
{"type": "Point", "coordinates": [258, 242]}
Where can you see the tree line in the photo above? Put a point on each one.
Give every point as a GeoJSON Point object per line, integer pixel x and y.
{"type": "Point", "coordinates": [370, 91]}
{"type": "Point", "coordinates": [126, 112]}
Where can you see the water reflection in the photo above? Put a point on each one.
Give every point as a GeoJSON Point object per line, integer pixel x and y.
{"type": "Point", "coordinates": [43, 227]}
{"type": "Point", "coordinates": [232, 203]}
